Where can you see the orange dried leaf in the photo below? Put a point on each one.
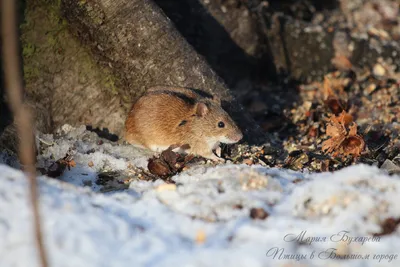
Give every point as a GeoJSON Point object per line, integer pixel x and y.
{"type": "Point", "coordinates": [335, 130]}
{"type": "Point", "coordinates": [346, 118]}
{"type": "Point", "coordinates": [353, 145]}
{"type": "Point", "coordinates": [344, 139]}
{"type": "Point", "coordinates": [353, 129]}
{"type": "Point", "coordinates": [57, 168]}
{"type": "Point", "coordinates": [72, 163]}
{"type": "Point", "coordinates": [329, 145]}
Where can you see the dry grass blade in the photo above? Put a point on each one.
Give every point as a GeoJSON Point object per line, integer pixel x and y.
{"type": "Point", "coordinates": [23, 121]}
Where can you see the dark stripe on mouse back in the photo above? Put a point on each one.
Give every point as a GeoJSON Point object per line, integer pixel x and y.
{"type": "Point", "coordinates": [200, 92]}
{"type": "Point", "coordinates": [182, 123]}
{"type": "Point", "coordinates": [185, 98]}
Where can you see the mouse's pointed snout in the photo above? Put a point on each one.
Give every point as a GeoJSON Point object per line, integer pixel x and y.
{"type": "Point", "coordinates": [237, 136]}
{"type": "Point", "coordinates": [231, 138]}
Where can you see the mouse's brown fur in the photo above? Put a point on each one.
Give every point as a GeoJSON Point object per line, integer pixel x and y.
{"type": "Point", "coordinates": [176, 116]}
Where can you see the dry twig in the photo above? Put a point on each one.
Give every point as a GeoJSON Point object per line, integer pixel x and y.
{"type": "Point", "coordinates": [22, 118]}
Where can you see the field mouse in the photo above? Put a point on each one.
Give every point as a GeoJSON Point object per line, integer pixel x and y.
{"type": "Point", "coordinates": [175, 116]}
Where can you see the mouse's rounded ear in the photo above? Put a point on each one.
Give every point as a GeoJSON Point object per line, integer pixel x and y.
{"type": "Point", "coordinates": [216, 100]}
{"type": "Point", "coordinates": [201, 109]}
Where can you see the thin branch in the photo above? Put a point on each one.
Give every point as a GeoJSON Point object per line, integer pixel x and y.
{"type": "Point", "coordinates": [22, 117]}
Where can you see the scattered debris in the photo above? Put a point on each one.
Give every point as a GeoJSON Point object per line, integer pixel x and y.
{"type": "Point", "coordinates": [57, 168]}
{"type": "Point", "coordinates": [168, 164]}
{"type": "Point", "coordinates": [258, 214]}
{"type": "Point", "coordinates": [296, 160]}
{"type": "Point", "coordinates": [388, 226]}
{"type": "Point", "coordinates": [159, 167]}
{"type": "Point", "coordinates": [112, 181]}
{"type": "Point", "coordinates": [305, 119]}
{"type": "Point", "coordinates": [344, 139]}
{"type": "Point", "coordinates": [250, 155]}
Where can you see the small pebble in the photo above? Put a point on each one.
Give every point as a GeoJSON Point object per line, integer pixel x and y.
{"type": "Point", "coordinates": [378, 70]}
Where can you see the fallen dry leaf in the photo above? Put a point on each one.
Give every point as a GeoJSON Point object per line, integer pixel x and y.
{"type": "Point", "coordinates": [344, 139]}
{"type": "Point", "coordinates": [169, 163]}
{"type": "Point", "coordinates": [71, 163]}
{"type": "Point", "coordinates": [170, 157]}
{"type": "Point", "coordinates": [57, 168]}
{"type": "Point", "coordinates": [353, 145]}
{"type": "Point", "coordinates": [159, 167]}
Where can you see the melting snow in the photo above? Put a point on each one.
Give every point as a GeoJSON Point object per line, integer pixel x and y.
{"type": "Point", "coordinates": [202, 220]}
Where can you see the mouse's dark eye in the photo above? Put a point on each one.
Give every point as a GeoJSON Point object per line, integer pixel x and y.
{"type": "Point", "coordinates": [221, 124]}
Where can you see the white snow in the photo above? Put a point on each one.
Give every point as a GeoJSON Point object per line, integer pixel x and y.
{"type": "Point", "coordinates": [202, 220]}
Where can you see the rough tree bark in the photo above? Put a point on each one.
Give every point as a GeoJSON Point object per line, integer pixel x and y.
{"type": "Point", "coordinates": [63, 82]}
{"type": "Point", "coordinates": [5, 118]}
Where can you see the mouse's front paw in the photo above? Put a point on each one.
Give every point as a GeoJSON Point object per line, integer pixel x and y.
{"type": "Point", "coordinates": [215, 158]}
